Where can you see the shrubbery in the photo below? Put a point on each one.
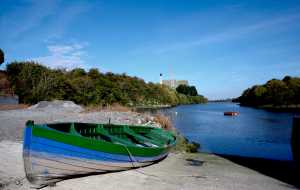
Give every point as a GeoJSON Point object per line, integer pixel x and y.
{"type": "Point", "coordinates": [274, 92]}
{"type": "Point", "coordinates": [184, 145]}
{"type": "Point", "coordinates": [33, 82]}
{"type": "Point", "coordinates": [187, 90]}
{"type": "Point", "coordinates": [188, 94]}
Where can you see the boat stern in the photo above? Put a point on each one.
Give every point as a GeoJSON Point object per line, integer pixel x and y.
{"type": "Point", "coordinates": [27, 152]}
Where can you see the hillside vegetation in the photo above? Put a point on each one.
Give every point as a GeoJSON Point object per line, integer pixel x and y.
{"type": "Point", "coordinates": [187, 90]}
{"type": "Point", "coordinates": [285, 92]}
{"type": "Point", "coordinates": [33, 82]}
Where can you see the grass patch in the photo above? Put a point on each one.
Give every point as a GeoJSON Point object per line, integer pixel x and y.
{"type": "Point", "coordinates": [164, 121]}
{"type": "Point", "coordinates": [184, 145]}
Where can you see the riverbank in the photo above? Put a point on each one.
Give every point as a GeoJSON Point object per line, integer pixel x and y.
{"type": "Point", "coordinates": [273, 108]}
{"type": "Point", "coordinates": [283, 108]}
{"type": "Point", "coordinates": [178, 171]}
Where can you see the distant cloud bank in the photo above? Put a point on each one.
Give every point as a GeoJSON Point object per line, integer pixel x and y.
{"type": "Point", "coordinates": [67, 56]}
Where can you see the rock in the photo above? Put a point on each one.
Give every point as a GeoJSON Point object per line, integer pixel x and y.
{"type": "Point", "coordinates": [57, 106]}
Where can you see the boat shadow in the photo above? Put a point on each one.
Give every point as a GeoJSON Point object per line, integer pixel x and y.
{"type": "Point", "coordinates": [285, 171]}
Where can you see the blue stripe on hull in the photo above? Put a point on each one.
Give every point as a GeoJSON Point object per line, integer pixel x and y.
{"type": "Point", "coordinates": [65, 150]}
{"type": "Point", "coordinates": [27, 138]}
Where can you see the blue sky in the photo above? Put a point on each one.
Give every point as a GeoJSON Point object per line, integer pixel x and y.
{"type": "Point", "coordinates": [221, 47]}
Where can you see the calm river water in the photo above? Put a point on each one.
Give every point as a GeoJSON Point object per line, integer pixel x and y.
{"type": "Point", "coordinates": [253, 133]}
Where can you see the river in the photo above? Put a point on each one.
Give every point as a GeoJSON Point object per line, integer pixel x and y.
{"type": "Point", "coordinates": [253, 133]}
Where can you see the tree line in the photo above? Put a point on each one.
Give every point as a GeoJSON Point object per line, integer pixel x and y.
{"type": "Point", "coordinates": [274, 93]}
{"type": "Point", "coordinates": [33, 82]}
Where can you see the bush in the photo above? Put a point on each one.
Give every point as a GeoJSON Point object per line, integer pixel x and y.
{"type": "Point", "coordinates": [183, 145]}
{"type": "Point", "coordinates": [192, 147]}
{"type": "Point", "coordinates": [187, 90]}
{"type": "Point", "coordinates": [164, 121]}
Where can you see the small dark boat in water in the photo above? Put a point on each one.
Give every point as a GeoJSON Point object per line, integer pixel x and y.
{"type": "Point", "coordinates": [53, 152]}
{"type": "Point", "coordinates": [231, 113]}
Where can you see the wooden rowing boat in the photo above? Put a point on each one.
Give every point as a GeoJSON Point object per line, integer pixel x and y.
{"type": "Point", "coordinates": [53, 152]}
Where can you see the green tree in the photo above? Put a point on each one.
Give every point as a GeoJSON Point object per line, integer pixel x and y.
{"type": "Point", "coordinates": [78, 72]}
{"type": "Point", "coordinates": [183, 89]}
{"type": "Point", "coordinates": [259, 91]}
{"type": "Point", "coordinates": [1, 56]}
{"type": "Point", "coordinates": [193, 91]}
{"type": "Point", "coordinates": [277, 91]}
{"type": "Point", "coordinates": [94, 73]}
{"type": "Point", "coordinates": [187, 90]}
{"type": "Point", "coordinates": [25, 77]}
{"type": "Point", "coordinates": [293, 84]}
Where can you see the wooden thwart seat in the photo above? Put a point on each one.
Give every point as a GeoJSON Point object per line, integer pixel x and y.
{"type": "Point", "coordinates": [142, 139]}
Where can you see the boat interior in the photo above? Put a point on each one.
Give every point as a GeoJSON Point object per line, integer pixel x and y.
{"type": "Point", "coordinates": [118, 134]}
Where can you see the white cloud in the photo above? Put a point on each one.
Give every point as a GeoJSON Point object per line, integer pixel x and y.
{"type": "Point", "coordinates": [64, 56]}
